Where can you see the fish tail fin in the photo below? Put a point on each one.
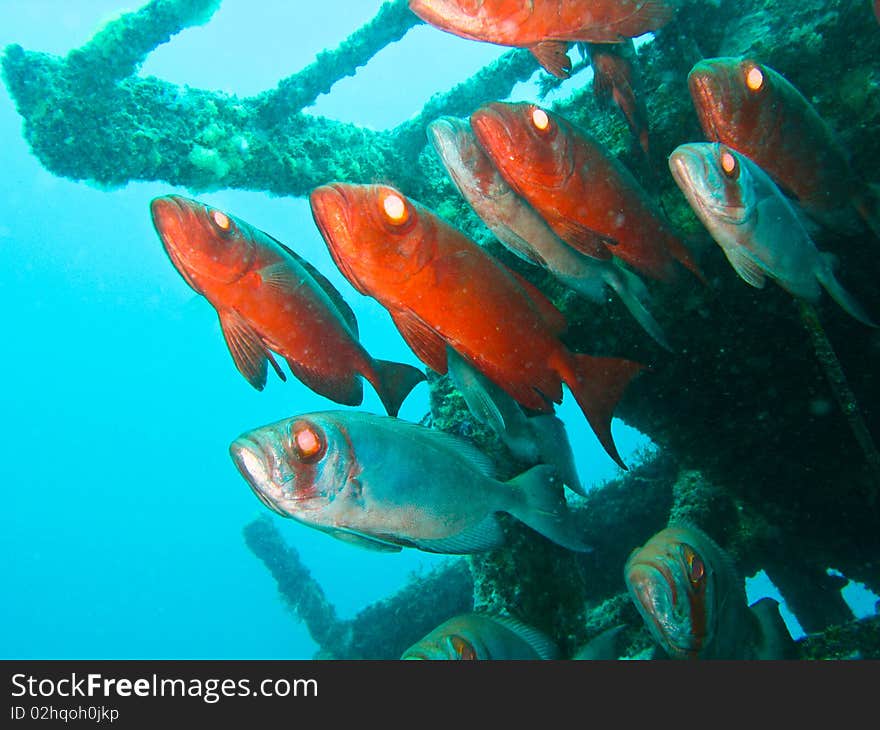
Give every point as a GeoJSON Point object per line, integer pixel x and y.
{"type": "Point", "coordinates": [598, 384]}
{"type": "Point", "coordinates": [393, 382]}
{"type": "Point", "coordinates": [867, 204]}
{"type": "Point", "coordinates": [774, 641]}
{"type": "Point", "coordinates": [839, 294]}
{"type": "Point", "coordinates": [553, 447]}
{"type": "Point", "coordinates": [543, 507]}
{"type": "Point", "coordinates": [633, 293]}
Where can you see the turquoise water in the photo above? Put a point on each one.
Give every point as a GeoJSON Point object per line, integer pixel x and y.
{"type": "Point", "coordinates": [120, 535]}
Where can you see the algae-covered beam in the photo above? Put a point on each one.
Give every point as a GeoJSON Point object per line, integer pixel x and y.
{"type": "Point", "coordinates": [88, 117]}
{"type": "Point", "coordinates": [299, 590]}
{"type": "Point", "coordinates": [301, 89]}
{"type": "Point", "coordinates": [122, 45]}
{"type": "Point", "coordinates": [382, 630]}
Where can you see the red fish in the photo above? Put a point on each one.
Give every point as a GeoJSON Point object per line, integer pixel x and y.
{"type": "Point", "coordinates": [270, 299]}
{"type": "Point", "coordinates": [755, 110]}
{"type": "Point", "coordinates": [442, 289]}
{"type": "Point", "coordinates": [587, 197]}
{"type": "Point", "coordinates": [614, 78]}
{"type": "Point", "coordinates": [546, 27]}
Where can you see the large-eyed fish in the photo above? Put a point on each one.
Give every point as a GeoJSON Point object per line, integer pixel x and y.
{"type": "Point", "coordinates": [756, 226]}
{"type": "Point", "coordinates": [519, 227]}
{"type": "Point", "coordinates": [442, 289]}
{"type": "Point", "coordinates": [546, 26]}
{"type": "Point", "coordinates": [693, 601]}
{"type": "Point", "coordinates": [382, 483]}
{"type": "Point", "coordinates": [270, 299]}
{"type": "Point", "coordinates": [476, 636]}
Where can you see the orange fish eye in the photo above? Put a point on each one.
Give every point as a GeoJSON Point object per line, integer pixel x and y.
{"type": "Point", "coordinates": [540, 119]}
{"type": "Point", "coordinates": [395, 208]}
{"type": "Point", "coordinates": [462, 647]}
{"type": "Point", "coordinates": [729, 164]}
{"type": "Point", "coordinates": [308, 442]}
{"type": "Point", "coordinates": [221, 220]}
{"type": "Point", "coordinates": [755, 78]}
{"type": "Point", "coordinates": [696, 567]}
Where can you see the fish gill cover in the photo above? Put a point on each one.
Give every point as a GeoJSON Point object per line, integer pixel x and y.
{"type": "Point", "coordinates": [763, 410]}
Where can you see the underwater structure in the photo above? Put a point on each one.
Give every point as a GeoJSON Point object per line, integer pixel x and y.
{"type": "Point", "coordinates": [763, 414]}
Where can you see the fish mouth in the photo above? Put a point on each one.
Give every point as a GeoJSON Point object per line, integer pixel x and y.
{"type": "Point", "coordinates": [682, 162]}
{"type": "Point", "coordinates": [702, 88]}
{"type": "Point", "coordinates": [171, 217]}
{"type": "Point", "coordinates": [489, 123]}
{"type": "Point", "coordinates": [654, 589]}
{"type": "Point", "coordinates": [444, 133]}
{"type": "Point", "coordinates": [330, 205]}
{"type": "Point", "coordinates": [251, 462]}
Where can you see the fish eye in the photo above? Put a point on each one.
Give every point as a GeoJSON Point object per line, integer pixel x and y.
{"type": "Point", "coordinates": [307, 442]}
{"type": "Point", "coordinates": [729, 164]}
{"type": "Point", "coordinates": [462, 647]}
{"type": "Point", "coordinates": [755, 78]}
{"type": "Point", "coordinates": [540, 119]}
{"type": "Point", "coordinates": [220, 220]}
{"type": "Point", "coordinates": [696, 567]}
{"type": "Point", "coordinates": [395, 209]}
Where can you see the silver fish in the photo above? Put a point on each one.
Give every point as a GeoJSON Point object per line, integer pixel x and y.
{"type": "Point", "coordinates": [693, 600]}
{"type": "Point", "coordinates": [756, 226]}
{"type": "Point", "coordinates": [523, 231]}
{"type": "Point", "coordinates": [384, 484]}
{"type": "Point", "coordinates": [475, 636]}
{"type": "Point", "coordinates": [536, 439]}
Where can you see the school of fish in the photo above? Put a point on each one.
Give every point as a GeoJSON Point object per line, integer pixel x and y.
{"type": "Point", "coordinates": [557, 199]}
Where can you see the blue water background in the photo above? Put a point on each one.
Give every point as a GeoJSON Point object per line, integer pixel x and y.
{"type": "Point", "coordinates": [120, 535]}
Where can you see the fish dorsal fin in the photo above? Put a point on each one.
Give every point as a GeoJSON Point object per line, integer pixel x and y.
{"type": "Point", "coordinates": [553, 318]}
{"type": "Point", "coordinates": [428, 346]}
{"type": "Point", "coordinates": [486, 535]}
{"type": "Point", "coordinates": [324, 283]}
{"type": "Point", "coordinates": [448, 442]}
{"type": "Point", "coordinates": [363, 541]}
{"type": "Point", "coordinates": [749, 270]}
{"type": "Point", "coordinates": [472, 384]}
{"type": "Point", "coordinates": [553, 56]}
{"type": "Point", "coordinates": [348, 390]}
{"type": "Point", "coordinates": [543, 645]}
{"type": "Point", "coordinates": [246, 347]}
{"type": "Point", "coordinates": [583, 239]}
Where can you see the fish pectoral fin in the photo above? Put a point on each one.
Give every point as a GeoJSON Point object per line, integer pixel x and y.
{"type": "Point", "coordinates": [749, 270]}
{"type": "Point", "coordinates": [827, 279]}
{"type": "Point", "coordinates": [280, 277]}
{"type": "Point", "coordinates": [362, 541]}
{"type": "Point", "coordinates": [553, 56]}
{"type": "Point", "coordinates": [486, 535]}
{"type": "Point", "coordinates": [428, 346]}
{"type": "Point", "coordinates": [324, 283]}
{"type": "Point", "coordinates": [583, 239]}
{"type": "Point", "coordinates": [475, 389]}
{"type": "Point", "coordinates": [246, 347]}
